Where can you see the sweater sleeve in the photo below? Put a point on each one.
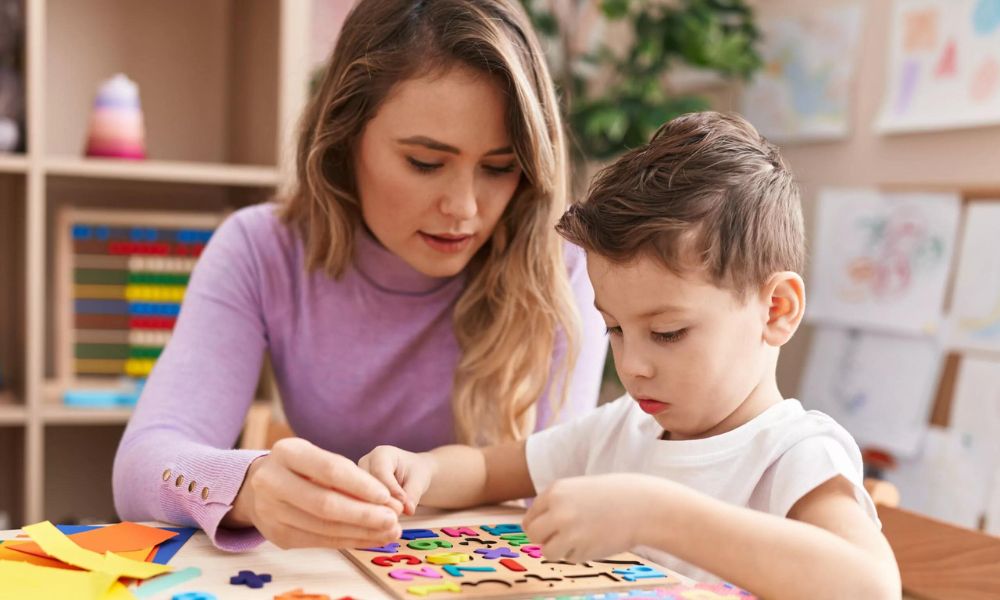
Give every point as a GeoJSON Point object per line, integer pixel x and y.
{"type": "Point", "coordinates": [585, 378]}
{"type": "Point", "coordinates": [175, 462]}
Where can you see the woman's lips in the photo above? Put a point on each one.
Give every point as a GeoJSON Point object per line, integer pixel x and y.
{"type": "Point", "coordinates": [652, 407]}
{"type": "Point", "coordinates": [447, 243]}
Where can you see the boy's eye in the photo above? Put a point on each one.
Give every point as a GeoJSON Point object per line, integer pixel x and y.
{"type": "Point", "coordinates": [669, 336]}
{"type": "Point", "coordinates": [613, 330]}
{"type": "Point", "coordinates": [422, 166]}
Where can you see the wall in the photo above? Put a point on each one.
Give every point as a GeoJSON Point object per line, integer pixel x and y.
{"type": "Point", "coordinates": [959, 158]}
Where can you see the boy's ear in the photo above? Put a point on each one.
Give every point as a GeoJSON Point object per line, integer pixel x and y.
{"type": "Point", "coordinates": [784, 294]}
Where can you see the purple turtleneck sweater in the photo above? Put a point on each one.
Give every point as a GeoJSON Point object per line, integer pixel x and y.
{"type": "Point", "coordinates": [360, 361]}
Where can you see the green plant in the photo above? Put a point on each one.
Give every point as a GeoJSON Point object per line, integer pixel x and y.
{"type": "Point", "coordinates": [616, 98]}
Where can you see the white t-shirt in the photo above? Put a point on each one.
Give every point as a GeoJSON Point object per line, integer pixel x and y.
{"type": "Point", "coordinates": [767, 464]}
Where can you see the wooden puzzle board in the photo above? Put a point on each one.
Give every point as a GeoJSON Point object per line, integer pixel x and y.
{"type": "Point", "coordinates": [494, 561]}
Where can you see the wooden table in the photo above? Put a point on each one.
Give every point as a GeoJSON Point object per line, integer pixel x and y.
{"type": "Point", "coordinates": [318, 571]}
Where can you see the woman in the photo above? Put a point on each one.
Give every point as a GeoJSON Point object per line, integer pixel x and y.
{"type": "Point", "coordinates": [411, 290]}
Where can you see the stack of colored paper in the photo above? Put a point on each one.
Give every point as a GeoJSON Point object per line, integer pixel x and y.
{"type": "Point", "coordinates": [92, 562]}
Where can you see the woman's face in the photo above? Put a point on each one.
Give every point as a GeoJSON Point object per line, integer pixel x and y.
{"type": "Point", "coordinates": [435, 169]}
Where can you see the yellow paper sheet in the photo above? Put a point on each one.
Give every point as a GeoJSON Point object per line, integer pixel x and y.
{"type": "Point", "coordinates": [57, 545]}
{"type": "Point", "coordinates": [25, 580]}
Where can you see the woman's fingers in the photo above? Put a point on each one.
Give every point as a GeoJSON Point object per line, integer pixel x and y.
{"type": "Point", "coordinates": [288, 536]}
{"type": "Point", "coordinates": [293, 516]}
{"type": "Point", "coordinates": [330, 470]}
{"type": "Point", "coordinates": [330, 505]}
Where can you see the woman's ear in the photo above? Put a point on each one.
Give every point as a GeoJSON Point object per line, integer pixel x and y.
{"type": "Point", "coordinates": [784, 294]}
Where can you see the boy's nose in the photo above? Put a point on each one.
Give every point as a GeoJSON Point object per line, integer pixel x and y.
{"type": "Point", "coordinates": [631, 363]}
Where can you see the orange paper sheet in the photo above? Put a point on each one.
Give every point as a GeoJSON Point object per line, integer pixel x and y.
{"type": "Point", "coordinates": [56, 544]}
{"type": "Point", "coordinates": [117, 538]}
{"type": "Point", "coordinates": [7, 554]}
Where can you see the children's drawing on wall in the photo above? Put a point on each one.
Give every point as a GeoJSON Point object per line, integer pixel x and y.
{"type": "Point", "coordinates": [944, 65]}
{"type": "Point", "coordinates": [803, 92]}
{"type": "Point", "coordinates": [881, 261]}
{"type": "Point", "coordinates": [879, 387]}
{"type": "Point", "coordinates": [974, 318]}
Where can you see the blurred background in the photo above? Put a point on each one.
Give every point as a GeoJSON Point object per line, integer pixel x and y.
{"type": "Point", "coordinates": [159, 117]}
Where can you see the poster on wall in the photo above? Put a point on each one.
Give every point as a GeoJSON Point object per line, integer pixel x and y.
{"type": "Point", "coordinates": [803, 91]}
{"type": "Point", "coordinates": [879, 387]}
{"type": "Point", "coordinates": [943, 66]}
{"type": "Point", "coordinates": [974, 317]}
{"type": "Point", "coordinates": [881, 260]}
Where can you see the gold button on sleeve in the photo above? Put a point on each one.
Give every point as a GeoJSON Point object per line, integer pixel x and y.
{"type": "Point", "coordinates": [179, 481]}
{"type": "Point", "coordinates": [191, 486]}
{"type": "Point", "coordinates": [204, 493]}
{"type": "Point", "coordinates": [167, 475]}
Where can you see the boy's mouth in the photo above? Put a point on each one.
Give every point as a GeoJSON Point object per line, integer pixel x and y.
{"type": "Point", "coordinates": [652, 407]}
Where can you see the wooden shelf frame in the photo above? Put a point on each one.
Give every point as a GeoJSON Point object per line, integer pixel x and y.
{"type": "Point", "coordinates": [257, 87]}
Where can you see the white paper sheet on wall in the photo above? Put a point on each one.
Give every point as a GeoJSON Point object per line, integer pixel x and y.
{"type": "Point", "coordinates": [953, 477]}
{"type": "Point", "coordinates": [881, 260]}
{"type": "Point", "coordinates": [943, 67]}
{"type": "Point", "coordinates": [879, 387]}
{"type": "Point", "coordinates": [975, 419]}
{"type": "Point", "coordinates": [940, 481]}
{"type": "Point", "coordinates": [804, 90]}
{"type": "Point", "coordinates": [974, 317]}
{"type": "Point", "coordinates": [993, 506]}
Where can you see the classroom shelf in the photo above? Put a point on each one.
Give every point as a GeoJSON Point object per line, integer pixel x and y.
{"type": "Point", "coordinates": [78, 464]}
{"type": "Point", "coordinates": [221, 84]}
{"type": "Point", "coordinates": [207, 74]}
{"type": "Point", "coordinates": [163, 171]}
{"type": "Point", "coordinates": [12, 277]}
{"type": "Point", "coordinates": [67, 415]}
{"type": "Point", "coordinates": [11, 412]}
{"type": "Point", "coordinates": [13, 163]}
{"type": "Point", "coordinates": [54, 412]}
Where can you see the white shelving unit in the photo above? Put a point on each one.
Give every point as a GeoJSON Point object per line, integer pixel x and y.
{"type": "Point", "coordinates": [222, 83]}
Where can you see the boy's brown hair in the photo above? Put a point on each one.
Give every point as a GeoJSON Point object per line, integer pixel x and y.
{"type": "Point", "coordinates": [708, 191]}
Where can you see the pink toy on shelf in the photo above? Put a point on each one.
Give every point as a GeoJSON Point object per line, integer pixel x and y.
{"type": "Point", "coordinates": [116, 126]}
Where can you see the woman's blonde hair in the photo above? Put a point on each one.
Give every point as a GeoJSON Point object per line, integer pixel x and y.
{"type": "Point", "coordinates": [517, 308]}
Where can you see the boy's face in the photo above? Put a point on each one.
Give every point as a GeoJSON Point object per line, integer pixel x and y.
{"type": "Point", "coordinates": [690, 353]}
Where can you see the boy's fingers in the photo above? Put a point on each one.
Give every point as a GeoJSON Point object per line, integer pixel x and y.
{"type": "Point", "coordinates": [539, 528]}
{"type": "Point", "coordinates": [537, 508]}
{"type": "Point", "coordinates": [414, 489]}
{"type": "Point", "coordinates": [383, 467]}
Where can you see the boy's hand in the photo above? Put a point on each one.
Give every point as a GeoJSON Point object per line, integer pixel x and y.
{"type": "Point", "coordinates": [407, 475]}
{"type": "Point", "coordinates": [585, 518]}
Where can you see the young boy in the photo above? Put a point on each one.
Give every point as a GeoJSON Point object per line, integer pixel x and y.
{"type": "Point", "coordinates": [694, 246]}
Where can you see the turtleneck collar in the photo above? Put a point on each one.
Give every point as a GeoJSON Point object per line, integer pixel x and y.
{"type": "Point", "coordinates": [388, 272]}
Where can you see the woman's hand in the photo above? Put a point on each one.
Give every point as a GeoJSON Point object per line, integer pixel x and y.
{"type": "Point", "coordinates": [407, 475]}
{"type": "Point", "coordinates": [593, 517]}
{"type": "Point", "coordinates": [300, 495]}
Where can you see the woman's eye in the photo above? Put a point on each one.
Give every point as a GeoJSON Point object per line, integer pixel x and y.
{"type": "Point", "coordinates": [422, 166]}
{"type": "Point", "coordinates": [669, 336]}
{"type": "Point", "coordinates": [504, 170]}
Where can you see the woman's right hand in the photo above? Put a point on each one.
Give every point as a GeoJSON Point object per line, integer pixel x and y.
{"type": "Point", "coordinates": [407, 475]}
{"type": "Point", "coordinates": [301, 496]}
